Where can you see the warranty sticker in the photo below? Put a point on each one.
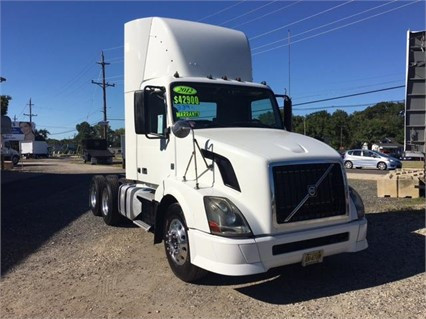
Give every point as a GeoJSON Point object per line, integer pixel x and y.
{"type": "Point", "coordinates": [188, 114]}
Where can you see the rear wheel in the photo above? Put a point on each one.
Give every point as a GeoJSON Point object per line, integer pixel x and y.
{"type": "Point", "coordinates": [348, 164]}
{"type": "Point", "coordinates": [15, 160]}
{"type": "Point", "coordinates": [109, 201]}
{"type": "Point", "coordinates": [177, 248]}
{"type": "Point", "coordinates": [382, 166]}
{"type": "Point", "coordinates": [96, 188]}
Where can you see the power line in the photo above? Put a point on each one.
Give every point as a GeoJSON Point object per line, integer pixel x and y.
{"type": "Point", "coordinates": [345, 106]}
{"type": "Point", "coordinates": [337, 28]}
{"type": "Point", "coordinates": [248, 12]}
{"type": "Point", "coordinates": [113, 48]}
{"type": "Point", "coordinates": [346, 89]}
{"type": "Point", "coordinates": [222, 10]}
{"type": "Point", "coordinates": [350, 95]}
{"type": "Point", "coordinates": [304, 19]}
{"type": "Point", "coordinates": [267, 14]}
{"type": "Point", "coordinates": [325, 25]}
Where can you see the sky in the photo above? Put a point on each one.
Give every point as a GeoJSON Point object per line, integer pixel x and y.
{"type": "Point", "coordinates": [49, 52]}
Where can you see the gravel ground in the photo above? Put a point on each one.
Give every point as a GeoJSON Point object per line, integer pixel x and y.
{"type": "Point", "coordinates": [59, 261]}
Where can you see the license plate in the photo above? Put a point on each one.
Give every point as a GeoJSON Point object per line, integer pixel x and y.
{"type": "Point", "coordinates": [312, 257]}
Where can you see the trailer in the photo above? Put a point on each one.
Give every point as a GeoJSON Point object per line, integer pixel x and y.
{"type": "Point", "coordinates": [95, 151]}
{"type": "Point", "coordinates": [211, 169]}
{"type": "Point", "coordinates": [34, 149]}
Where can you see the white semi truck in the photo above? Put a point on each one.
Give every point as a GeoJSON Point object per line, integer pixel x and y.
{"type": "Point", "coordinates": [211, 169]}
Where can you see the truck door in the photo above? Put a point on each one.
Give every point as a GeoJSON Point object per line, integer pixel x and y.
{"type": "Point", "coordinates": [153, 150]}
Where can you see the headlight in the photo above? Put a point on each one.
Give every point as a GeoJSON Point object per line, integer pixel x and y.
{"type": "Point", "coordinates": [359, 205]}
{"type": "Point", "coordinates": [225, 219]}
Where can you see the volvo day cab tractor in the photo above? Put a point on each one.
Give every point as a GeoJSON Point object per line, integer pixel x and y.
{"type": "Point", "coordinates": [211, 170]}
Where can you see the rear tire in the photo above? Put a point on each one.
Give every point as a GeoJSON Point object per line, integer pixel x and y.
{"type": "Point", "coordinates": [15, 160]}
{"type": "Point", "coordinates": [348, 164]}
{"type": "Point", "coordinates": [95, 192]}
{"type": "Point", "coordinates": [109, 201]}
{"type": "Point", "coordinates": [382, 166]}
{"type": "Point", "coordinates": [177, 248]}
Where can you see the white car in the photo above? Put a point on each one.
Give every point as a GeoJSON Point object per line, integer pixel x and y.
{"type": "Point", "coordinates": [370, 159]}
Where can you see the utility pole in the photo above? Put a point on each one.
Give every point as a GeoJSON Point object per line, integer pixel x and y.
{"type": "Point", "coordinates": [304, 124]}
{"type": "Point", "coordinates": [31, 112]}
{"type": "Point", "coordinates": [104, 85]}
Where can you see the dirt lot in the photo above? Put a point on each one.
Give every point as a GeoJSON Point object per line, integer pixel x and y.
{"type": "Point", "coordinates": [59, 261]}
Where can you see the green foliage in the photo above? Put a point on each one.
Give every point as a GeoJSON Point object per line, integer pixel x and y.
{"type": "Point", "coordinates": [5, 103]}
{"type": "Point", "coordinates": [349, 131]}
{"type": "Point", "coordinates": [85, 131]}
{"type": "Point", "coordinates": [41, 135]}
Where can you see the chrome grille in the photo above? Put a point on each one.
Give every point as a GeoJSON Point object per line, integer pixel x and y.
{"type": "Point", "coordinates": [308, 191]}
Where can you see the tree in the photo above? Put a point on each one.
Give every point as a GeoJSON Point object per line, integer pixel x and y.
{"type": "Point", "coordinates": [318, 126]}
{"type": "Point", "coordinates": [41, 135]}
{"type": "Point", "coordinates": [85, 131]}
{"type": "Point", "coordinates": [117, 137]}
{"type": "Point", "coordinates": [297, 124]}
{"type": "Point", "coordinates": [5, 104]}
{"type": "Point", "coordinates": [339, 133]}
{"type": "Point", "coordinates": [376, 122]}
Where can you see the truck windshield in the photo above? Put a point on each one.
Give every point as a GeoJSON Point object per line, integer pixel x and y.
{"type": "Point", "coordinates": [216, 105]}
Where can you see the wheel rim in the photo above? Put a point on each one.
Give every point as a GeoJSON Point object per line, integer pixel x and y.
{"type": "Point", "coordinates": [382, 166]}
{"type": "Point", "coordinates": [105, 198]}
{"type": "Point", "coordinates": [176, 242]}
{"type": "Point", "coordinates": [348, 165]}
{"type": "Point", "coordinates": [93, 197]}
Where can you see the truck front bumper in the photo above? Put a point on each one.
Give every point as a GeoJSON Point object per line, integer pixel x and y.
{"type": "Point", "coordinates": [239, 257]}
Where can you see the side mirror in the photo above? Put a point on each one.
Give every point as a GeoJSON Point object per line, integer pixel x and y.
{"type": "Point", "coordinates": [288, 113]}
{"type": "Point", "coordinates": [181, 129]}
{"type": "Point", "coordinates": [140, 121]}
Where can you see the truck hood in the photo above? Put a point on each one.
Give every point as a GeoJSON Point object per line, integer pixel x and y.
{"type": "Point", "coordinates": [271, 145]}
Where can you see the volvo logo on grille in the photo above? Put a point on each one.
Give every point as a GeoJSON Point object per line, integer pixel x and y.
{"type": "Point", "coordinates": [312, 190]}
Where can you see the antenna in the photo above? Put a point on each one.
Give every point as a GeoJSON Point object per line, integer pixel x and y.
{"type": "Point", "coordinates": [289, 73]}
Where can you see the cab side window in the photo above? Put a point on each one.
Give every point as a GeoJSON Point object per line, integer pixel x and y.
{"type": "Point", "coordinates": [156, 113]}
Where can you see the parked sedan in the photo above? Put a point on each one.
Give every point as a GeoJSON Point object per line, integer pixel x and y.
{"type": "Point", "coordinates": [370, 159]}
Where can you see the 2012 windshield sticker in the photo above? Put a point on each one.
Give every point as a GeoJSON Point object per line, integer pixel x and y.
{"type": "Point", "coordinates": [186, 99]}
{"type": "Point", "coordinates": [186, 90]}
{"type": "Point", "coordinates": [188, 114]}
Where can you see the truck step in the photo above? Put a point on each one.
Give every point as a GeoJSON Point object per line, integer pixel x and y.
{"type": "Point", "coordinates": [141, 224]}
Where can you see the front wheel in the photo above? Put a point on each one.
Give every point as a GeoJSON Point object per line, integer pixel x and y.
{"type": "Point", "coordinates": [348, 164]}
{"type": "Point", "coordinates": [177, 248]}
{"type": "Point", "coordinates": [382, 166]}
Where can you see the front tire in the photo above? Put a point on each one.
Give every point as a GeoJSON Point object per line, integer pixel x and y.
{"type": "Point", "coordinates": [95, 192]}
{"type": "Point", "coordinates": [382, 166]}
{"type": "Point", "coordinates": [177, 248]}
{"type": "Point", "coordinates": [348, 164]}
